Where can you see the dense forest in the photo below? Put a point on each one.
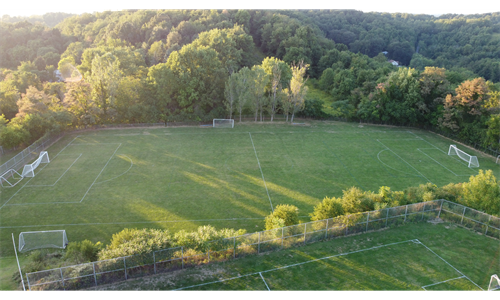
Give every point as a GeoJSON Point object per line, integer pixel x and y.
{"type": "Point", "coordinates": [146, 66]}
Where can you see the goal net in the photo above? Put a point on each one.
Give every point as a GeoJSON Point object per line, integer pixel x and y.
{"type": "Point", "coordinates": [471, 160]}
{"type": "Point", "coordinates": [29, 170]}
{"type": "Point", "coordinates": [224, 123]}
{"type": "Point", "coordinates": [10, 178]}
{"type": "Point", "coordinates": [42, 239]}
{"type": "Point", "coordinates": [494, 283]}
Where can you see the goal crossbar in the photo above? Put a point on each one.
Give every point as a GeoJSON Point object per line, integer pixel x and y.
{"type": "Point", "coordinates": [10, 178]}
{"type": "Point", "coordinates": [31, 240]}
{"type": "Point", "coordinates": [471, 160]}
{"type": "Point", "coordinates": [29, 170]}
{"type": "Point", "coordinates": [223, 123]}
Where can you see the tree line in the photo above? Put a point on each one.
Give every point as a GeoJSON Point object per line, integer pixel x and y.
{"type": "Point", "coordinates": [160, 65]}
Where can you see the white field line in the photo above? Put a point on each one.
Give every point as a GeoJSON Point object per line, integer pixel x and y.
{"type": "Point", "coordinates": [100, 172]}
{"type": "Point", "coordinates": [419, 149]}
{"type": "Point", "coordinates": [442, 282]}
{"type": "Point", "coordinates": [264, 281]}
{"type": "Point", "coordinates": [378, 157]}
{"type": "Point", "coordinates": [261, 172]}
{"type": "Point", "coordinates": [459, 160]}
{"type": "Point", "coordinates": [121, 223]}
{"type": "Point", "coordinates": [404, 161]}
{"type": "Point", "coordinates": [449, 264]}
{"type": "Point", "coordinates": [131, 164]}
{"type": "Point", "coordinates": [37, 173]}
{"type": "Point", "coordinates": [95, 144]}
{"type": "Point", "coordinates": [61, 175]}
{"type": "Point", "coordinates": [294, 265]}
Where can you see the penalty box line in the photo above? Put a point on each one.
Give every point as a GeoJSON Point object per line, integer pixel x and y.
{"type": "Point", "coordinates": [463, 275]}
{"type": "Point", "coordinates": [59, 176]}
{"type": "Point", "coordinates": [38, 172]}
{"type": "Point", "coordinates": [297, 264]}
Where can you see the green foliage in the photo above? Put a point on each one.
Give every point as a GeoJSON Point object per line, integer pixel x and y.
{"type": "Point", "coordinates": [328, 208]}
{"type": "Point", "coordinates": [82, 252]}
{"type": "Point", "coordinates": [283, 214]}
{"type": "Point", "coordinates": [482, 192]}
{"type": "Point", "coordinates": [136, 241]}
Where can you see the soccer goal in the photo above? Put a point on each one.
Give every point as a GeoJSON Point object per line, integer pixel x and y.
{"type": "Point", "coordinates": [471, 160]}
{"type": "Point", "coordinates": [223, 123]}
{"type": "Point", "coordinates": [494, 283]}
{"type": "Point", "coordinates": [10, 178]}
{"type": "Point", "coordinates": [29, 170]}
{"type": "Point", "coordinates": [42, 239]}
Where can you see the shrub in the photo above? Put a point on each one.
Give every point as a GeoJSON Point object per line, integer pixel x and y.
{"type": "Point", "coordinates": [355, 200]}
{"type": "Point", "coordinates": [482, 192]}
{"type": "Point", "coordinates": [84, 251]}
{"type": "Point", "coordinates": [136, 241]}
{"type": "Point", "coordinates": [288, 213]}
{"type": "Point", "coordinates": [328, 208]}
{"type": "Point", "coordinates": [199, 240]}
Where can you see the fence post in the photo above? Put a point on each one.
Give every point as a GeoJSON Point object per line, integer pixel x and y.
{"type": "Point", "coordinates": [463, 214]}
{"type": "Point", "coordinates": [154, 261]}
{"type": "Point", "coordinates": [326, 229]}
{"type": "Point", "coordinates": [258, 246]}
{"type": "Point", "coordinates": [62, 278]}
{"type": "Point", "coordinates": [208, 255]}
{"type": "Point", "coordinates": [28, 279]}
{"type": "Point", "coordinates": [367, 219]}
{"type": "Point", "coordinates": [305, 230]}
{"type": "Point", "coordinates": [440, 208]}
{"type": "Point", "coordinates": [423, 212]}
{"type": "Point", "coordinates": [182, 256]}
{"type": "Point", "coordinates": [125, 267]}
{"type": "Point", "coordinates": [282, 236]}
{"type": "Point", "coordinates": [486, 230]}
{"type": "Point", "coordinates": [387, 217]}
{"type": "Point", "coordinates": [95, 277]}
{"type": "Point", "coordinates": [406, 211]}
{"type": "Point", "coordinates": [234, 245]}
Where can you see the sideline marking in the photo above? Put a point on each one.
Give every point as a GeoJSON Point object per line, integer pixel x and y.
{"type": "Point", "coordinates": [264, 281]}
{"type": "Point", "coordinates": [441, 282]}
{"type": "Point", "coordinates": [60, 176]}
{"type": "Point", "coordinates": [101, 171]}
{"type": "Point", "coordinates": [261, 172]}
{"type": "Point", "coordinates": [404, 161]}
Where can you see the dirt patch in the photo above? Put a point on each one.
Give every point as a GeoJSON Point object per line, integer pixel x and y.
{"type": "Point", "coordinates": [435, 221]}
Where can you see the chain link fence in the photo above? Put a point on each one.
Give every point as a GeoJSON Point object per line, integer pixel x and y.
{"type": "Point", "coordinates": [97, 273]}
{"type": "Point", "coordinates": [30, 153]}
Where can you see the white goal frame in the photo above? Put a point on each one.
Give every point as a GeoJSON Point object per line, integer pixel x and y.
{"type": "Point", "coordinates": [32, 240]}
{"type": "Point", "coordinates": [494, 283]}
{"type": "Point", "coordinates": [223, 123]}
{"type": "Point", "coordinates": [29, 170]}
{"type": "Point", "coordinates": [471, 160]}
{"type": "Point", "coordinates": [10, 174]}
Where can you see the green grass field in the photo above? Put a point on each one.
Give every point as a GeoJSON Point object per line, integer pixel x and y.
{"type": "Point", "coordinates": [411, 257]}
{"type": "Point", "coordinates": [99, 182]}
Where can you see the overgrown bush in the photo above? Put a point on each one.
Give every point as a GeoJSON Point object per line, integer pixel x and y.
{"type": "Point", "coordinates": [199, 240]}
{"type": "Point", "coordinates": [81, 252]}
{"type": "Point", "coordinates": [135, 241]}
{"type": "Point", "coordinates": [328, 208]}
{"type": "Point", "coordinates": [289, 214]}
{"type": "Point", "coordinates": [482, 192]}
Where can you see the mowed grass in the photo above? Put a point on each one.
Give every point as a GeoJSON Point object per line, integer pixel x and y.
{"type": "Point", "coordinates": [100, 182]}
{"type": "Point", "coordinates": [384, 260]}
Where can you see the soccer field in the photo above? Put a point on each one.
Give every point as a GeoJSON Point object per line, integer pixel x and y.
{"type": "Point", "coordinates": [99, 182]}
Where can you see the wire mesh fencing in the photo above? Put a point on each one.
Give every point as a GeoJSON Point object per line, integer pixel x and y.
{"type": "Point", "coordinates": [30, 153]}
{"type": "Point", "coordinates": [97, 273]}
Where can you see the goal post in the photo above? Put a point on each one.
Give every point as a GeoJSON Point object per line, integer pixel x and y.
{"type": "Point", "coordinates": [32, 240]}
{"type": "Point", "coordinates": [494, 283]}
{"type": "Point", "coordinates": [471, 160]}
{"type": "Point", "coordinates": [498, 158]}
{"type": "Point", "coordinates": [10, 178]}
{"type": "Point", "coordinates": [223, 123]}
{"type": "Point", "coordinates": [29, 170]}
